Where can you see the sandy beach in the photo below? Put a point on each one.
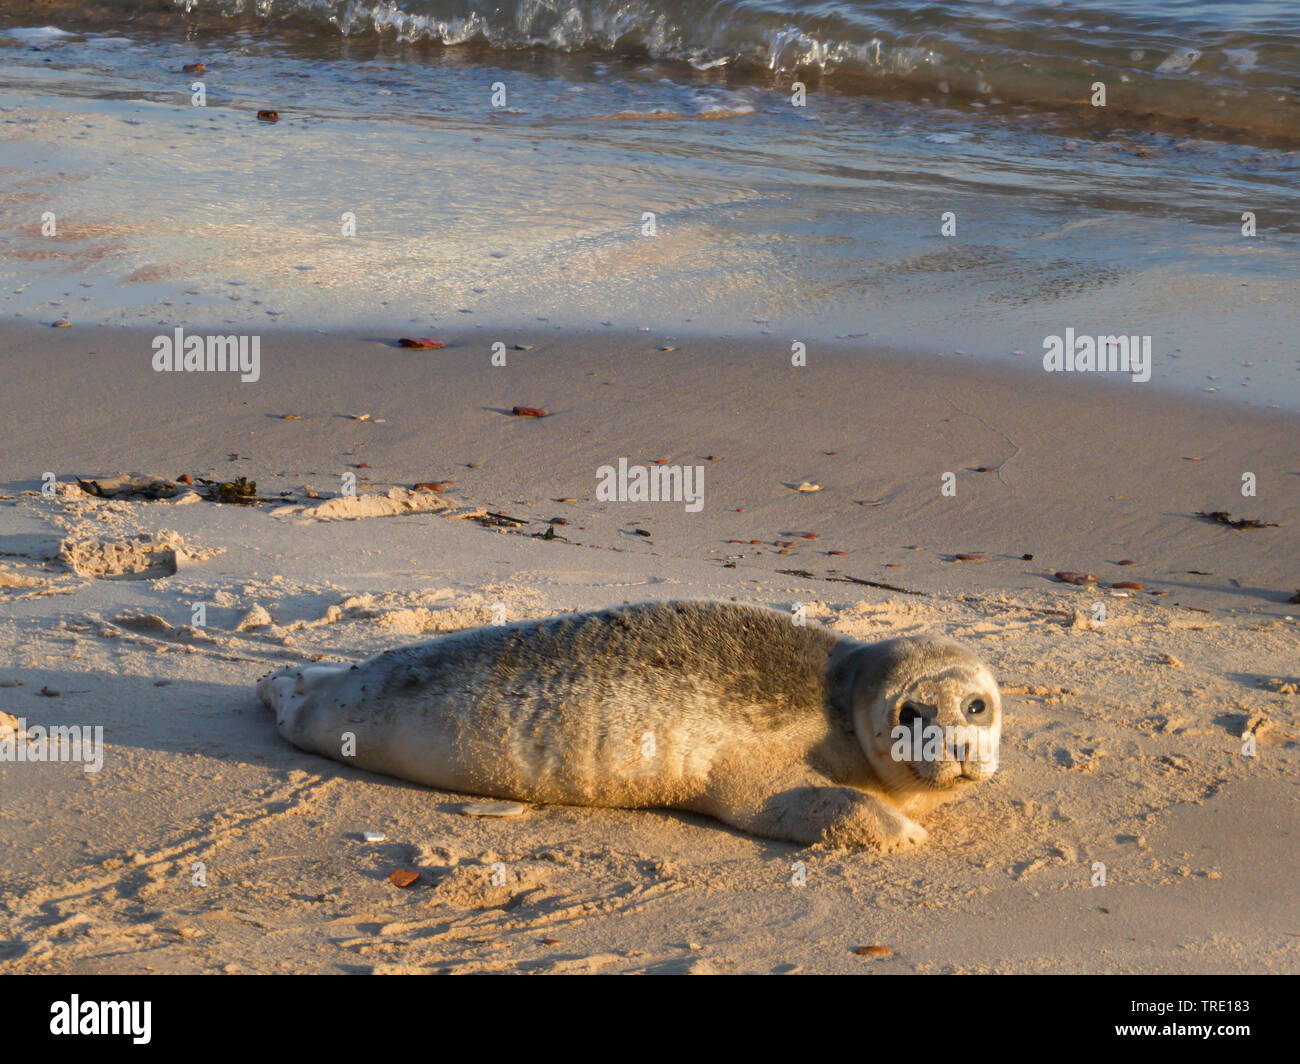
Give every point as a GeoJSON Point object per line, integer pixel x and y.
{"type": "Point", "coordinates": [1123, 743]}
{"type": "Point", "coordinates": [328, 327]}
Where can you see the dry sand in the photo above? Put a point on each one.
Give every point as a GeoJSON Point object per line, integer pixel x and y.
{"type": "Point", "coordinates": [1123, 740]}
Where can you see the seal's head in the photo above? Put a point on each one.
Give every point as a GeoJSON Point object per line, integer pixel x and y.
{"type": "Point", "coordinates": [927, 713]}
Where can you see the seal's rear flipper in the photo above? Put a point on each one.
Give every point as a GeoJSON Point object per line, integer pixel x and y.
{"type": "Point", "coordinates": [269, 689]}
{"type": "Point", "coordinates": [286, 690]}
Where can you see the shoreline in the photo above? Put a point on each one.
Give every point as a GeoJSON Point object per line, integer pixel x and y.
{"type": "Point", "coordinates": [415, 38]}
{"type": "Point", "coordinates": [814, 225]}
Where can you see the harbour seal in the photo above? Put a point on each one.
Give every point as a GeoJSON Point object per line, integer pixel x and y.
{"type": "Point", "coordinates": [733, 711]}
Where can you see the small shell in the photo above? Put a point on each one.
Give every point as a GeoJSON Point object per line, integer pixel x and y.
{"type": "Point", "coordinates": [492, 809]}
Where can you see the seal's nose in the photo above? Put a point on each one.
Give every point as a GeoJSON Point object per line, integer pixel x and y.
{"type": "Point", "coordinates": [915, 711]}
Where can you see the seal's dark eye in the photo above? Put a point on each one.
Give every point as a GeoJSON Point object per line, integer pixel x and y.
{"type": "Point", "coordinates": [975, 707]}
{"type": "Point", "coordinates": [908, 714]}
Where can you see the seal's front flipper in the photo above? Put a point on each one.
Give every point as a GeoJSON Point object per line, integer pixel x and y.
{"type": "Point", "coordinates": [805, 807]}
{"type": "Point", "coordinates": [842, 817]}
{"type": "Point", "coordinates": [870, 821]}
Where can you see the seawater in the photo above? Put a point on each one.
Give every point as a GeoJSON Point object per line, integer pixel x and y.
{"type": "Point", "coordinates": [934, 177]}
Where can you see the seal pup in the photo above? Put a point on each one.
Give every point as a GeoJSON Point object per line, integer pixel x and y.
{"type": "Point", "coordinates": [733, 711]}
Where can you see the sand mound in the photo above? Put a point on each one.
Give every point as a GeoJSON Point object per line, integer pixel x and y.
{"type": "Point", "coordinates": [257, 617]}
{"type": "Point", "coordinates": [147, 556]}
{"type": "Point", "coordinates": [354, 507]}
{"type": "Point", "coordinates": [420, 621]}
